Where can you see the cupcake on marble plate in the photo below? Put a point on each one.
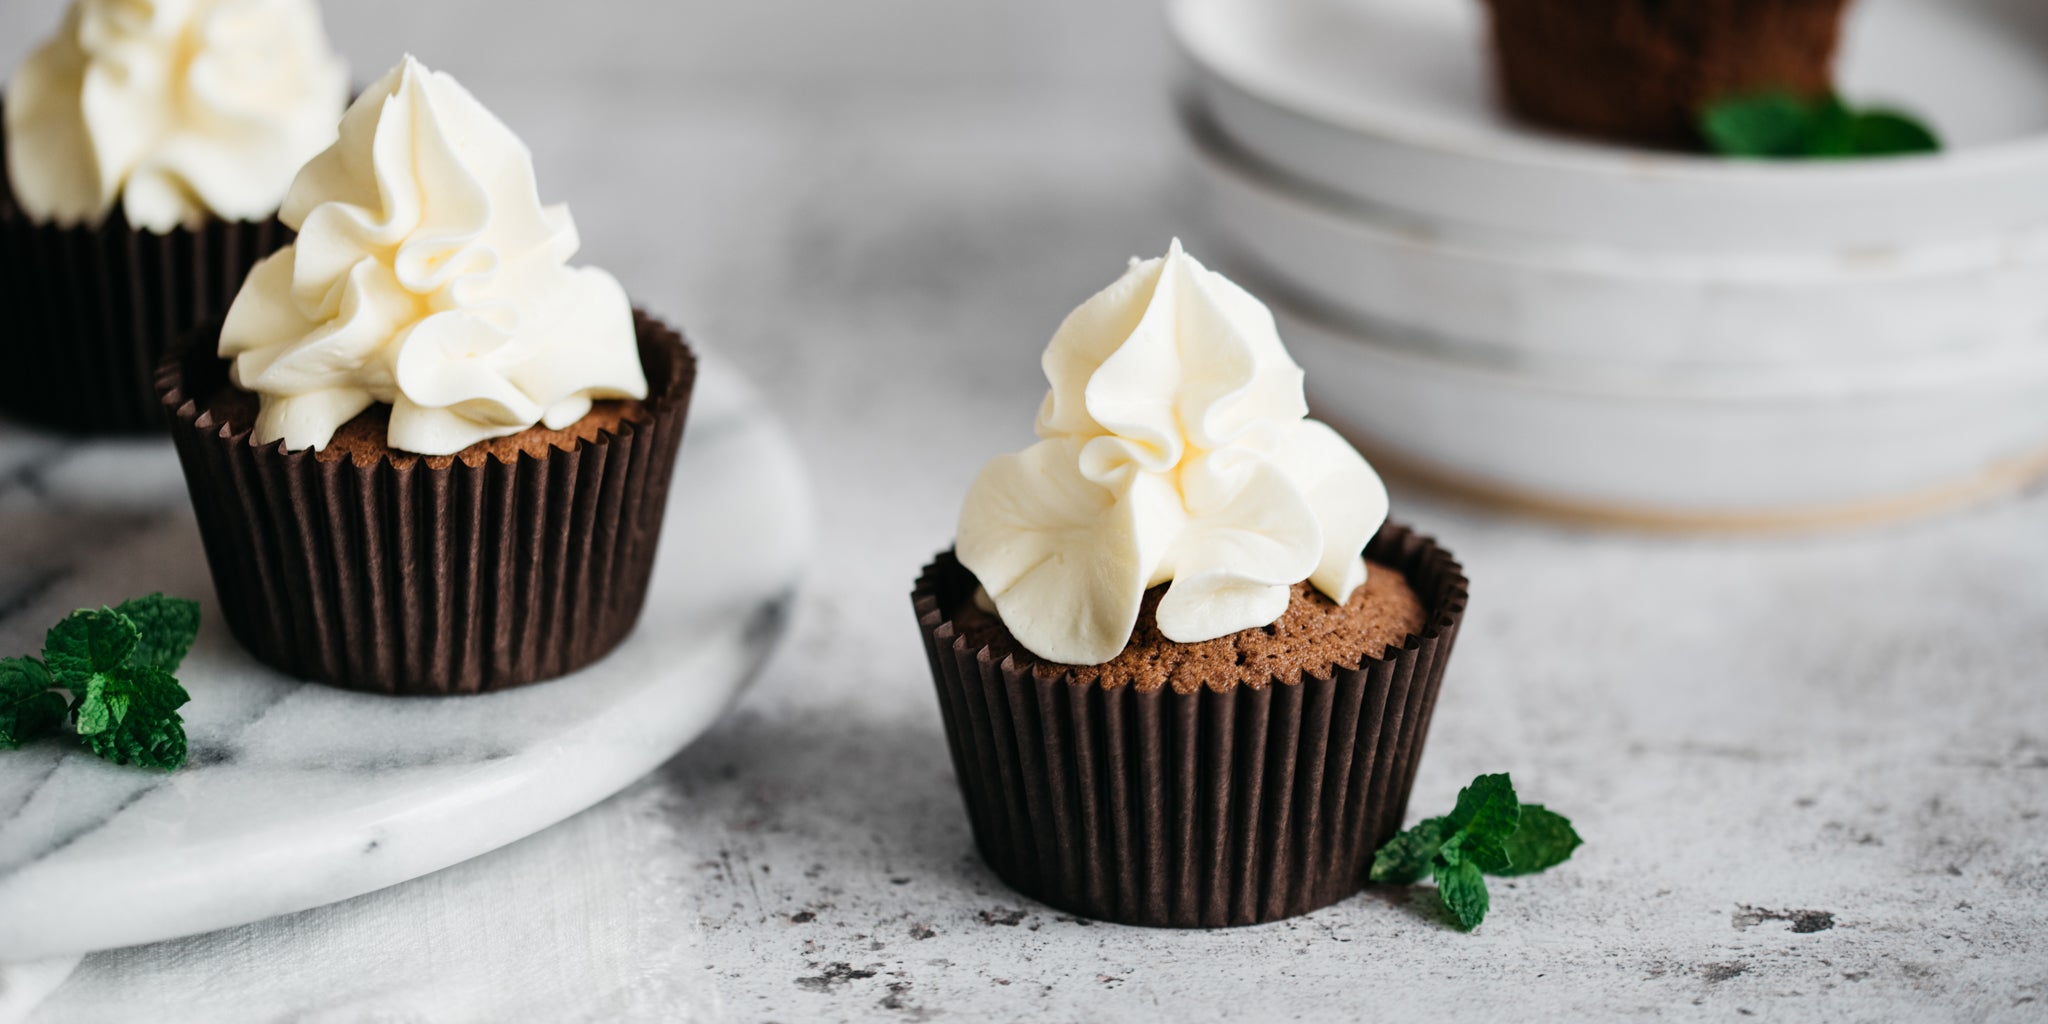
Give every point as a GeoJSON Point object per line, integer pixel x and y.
{"type": "Point", "coordinates": [1185, 666]}
{"type": "Point", "coordinates": [428, 456]}
{"type": "Point", "coordinates": [147, 145]}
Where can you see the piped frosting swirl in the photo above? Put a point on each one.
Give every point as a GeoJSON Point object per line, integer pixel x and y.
{"type": "Point", "coordinates": [1174, 448]}
{"type": "Point", "coordinates": [427, 275]}
{"type": "Point", "coordinates": [175, 109]}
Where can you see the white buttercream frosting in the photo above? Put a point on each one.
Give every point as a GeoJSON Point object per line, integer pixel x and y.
{"type": "Point", "coordinates": [428, 276]}
{"type": "Point", "coordinates": [175, 108]}
{"type": "Point", "coordinates": [1175, 446]}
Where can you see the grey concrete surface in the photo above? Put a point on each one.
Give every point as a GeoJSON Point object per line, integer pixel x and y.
{"type": "Point", "coordinates": [1812, 770]}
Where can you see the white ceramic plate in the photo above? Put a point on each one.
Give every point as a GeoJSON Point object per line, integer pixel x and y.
{"type": "Point", "coordinates": [300, 795]}
{"type": "Point", "coordinates": [1526, 297]}
{"type": "Point", "coordinates": [1389, 102]}
{"type": "Point", "coordinates": [1719, 450]}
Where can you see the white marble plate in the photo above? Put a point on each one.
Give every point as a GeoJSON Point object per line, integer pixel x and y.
{"type": "Point", "coordinates": [299, 795]}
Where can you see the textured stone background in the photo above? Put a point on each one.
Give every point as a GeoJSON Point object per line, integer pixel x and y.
{"type": "Point", "coordinates": [1813, 771]}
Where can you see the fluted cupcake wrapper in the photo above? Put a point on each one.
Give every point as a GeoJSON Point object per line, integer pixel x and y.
{"type": "Point", "coordinates": [1203, 809]}
{"type": "Point", "coordinates": [86, 313]}
{"type": "Point", "coordinates": [430, 576]}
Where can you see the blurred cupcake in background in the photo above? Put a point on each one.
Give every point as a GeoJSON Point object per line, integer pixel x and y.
{"type": "Point", "coordinates": [427, 454]}
{"type": "Point", "coordinates": [1642, 71]}
{"type": "Point", "coordinates": [147, 146]}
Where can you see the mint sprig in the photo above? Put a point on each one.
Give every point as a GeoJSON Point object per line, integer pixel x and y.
{"type": "Point", "coordinates": [1544, 840]}
{"type": "Point", "coordinates": [116, 665]}
{"type": "Point", "coordinates": [168, 626]}
{"type": "Point", "coordinates": [1488, 832]}
{"type": "Point", "coordinates": [1780, 125]}
{"type": "Point", "coordinates": [29, 706]}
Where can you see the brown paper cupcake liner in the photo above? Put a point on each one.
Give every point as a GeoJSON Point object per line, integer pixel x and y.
{"type": "Point", "coordinates": [86, 313]}
{"type": "Point", "coordinates": [1204, 809]}
{"type": "Point", "coordinates": [413, 575]}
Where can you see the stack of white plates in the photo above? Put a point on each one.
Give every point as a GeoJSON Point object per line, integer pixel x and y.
{"type": "Point", "coordinates": [1636, 335]}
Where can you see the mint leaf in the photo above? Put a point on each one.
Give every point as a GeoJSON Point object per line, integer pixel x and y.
{"type": "Point", "coordinates": [1488, 804]}
{"type": "Point", "coordinates": [1406, 857]}
{"type": "Point", "coordinates": [1489, 832]}
{"type": "Point", "coordinates": [1544, 840]}
{"type": "Point", "coordinates": [29, 706]}
{"type": "Point", "coordinates": [1892, 132]}
{"type": "Point", "coordinates": [1463, 890]}
{"type": "Point", "coordinates": [1831, 131]}
{"type": "Point", "coordinates": [1779, 125]}
{"type": "Point", "coordinates": [130, 716]}
{"type": "Point", "coordinates": [1773, 124]}
{"type": "Point", "coordinates": [117, 665]}
{"type": "Point", "coordinates": [87, 643]}
{"type": "Point", "coordinates": [1489, 851]}
{"type": "Point", "coordinates": [1486, 815]}
{"type": "Point", "coordinates": [168, 626]}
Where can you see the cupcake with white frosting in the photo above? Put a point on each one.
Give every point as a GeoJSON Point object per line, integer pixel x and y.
{"type": "Point", "coordinates": [428, 454]}
{"type": "Point", "coordinates": [147, 145]}
{"type": "Point", "coordinates": [1185, 665]}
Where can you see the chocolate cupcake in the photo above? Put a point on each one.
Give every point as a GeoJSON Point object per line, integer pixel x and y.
{"type": "Point", "coordinates": [1641, 71]}
{"type": "Point", "coordinates": [1184, 667]}
{"type": "Point", "coordinates": [438, 457]}
{"type": "Point", "coordinates": [146, 150]}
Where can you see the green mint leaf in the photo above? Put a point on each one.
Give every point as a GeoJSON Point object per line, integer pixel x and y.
{"type": "Point", "coordinates": [1831, 132]}
{"type": "Point", "coordinates": [1489, 832]}
{"type": "Point", "coordinates": [1489, 852]}
{"type": "Point", "coordinates": [1766, 125]}
{"type": "Point", "coordinates": [1544, 840]}
{"type": "Point", "coordinates": [1778, 125]}
{"type": "Point", "coordinates": [130, 716]}
{"type": "Point", "coordinates": [1487, 812]}
{"type": "Point", "coordinates": [87, 643]}
{"type": "Point", "coordinates": [29, 706]}
{"type": "Point", "coordinates": [1406, 857]}
{"type": "Point", "coordinates": [1463, 890]}
{"type": "Point", "coordinates": [168, 626]}
{"type": "Point", "coordinates": [1892, 133]}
